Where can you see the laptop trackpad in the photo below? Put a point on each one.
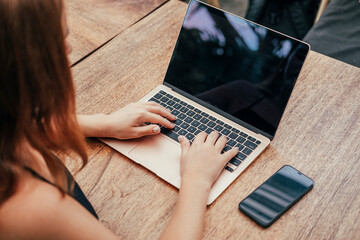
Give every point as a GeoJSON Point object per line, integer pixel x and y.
{"type": "Point", "coordinates": [160, 155]}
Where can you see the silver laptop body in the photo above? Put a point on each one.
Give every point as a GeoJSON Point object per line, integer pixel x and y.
{"type": "Point", "coordinates": [228, 75]}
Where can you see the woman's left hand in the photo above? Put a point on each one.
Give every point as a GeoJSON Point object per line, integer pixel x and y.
{"type": "Point", "coordinates": [128, 122]}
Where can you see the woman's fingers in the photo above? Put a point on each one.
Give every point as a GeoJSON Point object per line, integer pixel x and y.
{"type": "Point", "coordinates": [228, 155]}
{"type": "Point", "coordinates": [155, 118]}
{"type": "Point", "coordinates": [200, 138]}
{"type": "Point", "coordinates": [151, 103]}
{"type": "Point", "coordinates": [212, 137]}
{"type": "Point", "coordinates": [147, 130]}
{"type": "Point", "coordinates": [220, 143]}
{"type": "Point", "coordinates": [185, 145]}
{"type": "Point", "coordinates": [160, 110]}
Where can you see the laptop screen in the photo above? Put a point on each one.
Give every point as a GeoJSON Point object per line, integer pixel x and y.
{"type": "Point", "coordinates": [241, 68]}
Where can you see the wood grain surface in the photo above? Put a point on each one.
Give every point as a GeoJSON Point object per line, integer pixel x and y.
{"type": "Point", "coordinates": [319, 135]}
{"type": "Point", "coordinates": [93, 22]}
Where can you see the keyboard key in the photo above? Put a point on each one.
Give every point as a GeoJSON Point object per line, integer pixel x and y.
{"type": "Point", "coordinates": [197, 132]}
{"type": "Point", "coordinates": [158, 96]}
{"type": "Point", "coordinates": [191, 129]}
{"type": "Point", "coordinates": [184, 125]}
{"type": "Point", "coordinates": [183, 103]}
{"type": "Point", "coordinates": [154, 100]}
{"type": "Point", "coordinates": [175, 112]}
{"type": "Point", "coordinates": [195, 123]}
{"type": "Point", "coordinates": [247, 151]}
{"type": "Point", "coordinates": [236, 131]}
{"type": "Point", "coordinates": [229, 169]}
{"type": "Point", "coordinates": [243, 134]}
{"type": "Point", "coordinates": [226, 148]}
{"type": "Point", "coordinates": [209, 130]}
{"type": "Point", "coordinates": [211, 124]}
{"type": "Point", "coordinates": [181, 116]}
{"type": "Point", "coordinates": [239, 146]}
{"type": "Point", "coordinates": [251, 139]}
{"type": "Point", "coordinates": [163, 104]}
{"type": "Point", "coordinates": [176, 129]}
{"type": "Point", "coordinates": [197, 117]}
{"type": "Point", "coordinates": [231, 142]}
{"type": "Point", "coordinates": [212, 118]}
{"type": "Point", "coordinates": [170, 103]}
{"type": "Point", "coordinates": [177, 106]}
{"type": "Point", "coordinates": [227, 126]}
{"type": "Point", "coordinates": [235, 161]}
{"type": "Point", "coordinates": [233, 135]}
{"type": "Point", "coordinates": [190, 136]}
{"type": "Point", "coordinates": [225, 131]}
{"type": "Point", "coordinates": [178, 122]}
{"type": "Point", "coordinates": [182, 132]}
{"type": "Point", "coordinates": [202, 127]}
{"type": "Point", "coordinates": [171, 134]}
{"type": "Point", "coordinates": [250, 145]}
{"type": "Point", "coordinates": [258, 142]}
{"type": "Point", "coordinates": [241, 156]}
{"type": "Point", "coordinates": [188, 119]}
{"type": "Point", "coordinates": [190, 107]}
{"type": "Point", "coordinates": [190, 113]}
{"type": "Point", "coordinates": [204, 120]}
{"type": "Point", "coordinates": [162, 92]}
{"type": "Point", "coordinates": [218, 128]}
{"type": "Point", "coordinates": [197, 110]}
{"type": "Point", "coordinates": [164, 99]}
{"type": "Point", "coordinates": [184, 109]}
{"type": "Point", "coordinates": [240, 139]}
{"type": "Point", "coordinates": [176, 99]}
{"type": "Point", "coordinates": [204, 114]}
{"type": "Point", "coordinates": [219, 122]}
{"type": "Point", "coordinates": [169, 95]}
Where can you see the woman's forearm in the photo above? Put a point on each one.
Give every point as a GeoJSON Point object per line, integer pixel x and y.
{"type": "Point", "coordinates": [187, 221]}
{"type": "Point", "coordinates": [92, 125]}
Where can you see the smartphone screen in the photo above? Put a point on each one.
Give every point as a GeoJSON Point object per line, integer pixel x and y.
{"type": "Point", "coordinates": [276, 195]}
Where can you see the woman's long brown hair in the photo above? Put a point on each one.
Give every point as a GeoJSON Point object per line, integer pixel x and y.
{"type": "Point", "coordinates": [37, 99]}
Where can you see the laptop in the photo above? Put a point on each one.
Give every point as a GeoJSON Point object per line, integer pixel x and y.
{"type": "Point", "coordinates": [226, 74]}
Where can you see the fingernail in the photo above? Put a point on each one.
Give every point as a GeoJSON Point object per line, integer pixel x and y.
{"type": "Point", "coordinates": [156, 129]}
{"type": "Point", "coordinates": [180, 138]}
{"type": "Point", "coordinates": [173, 125]}
{"type": "Point", "coordinates": [174, 116]}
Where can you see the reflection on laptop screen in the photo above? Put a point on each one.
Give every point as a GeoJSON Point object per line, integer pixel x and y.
{"type": "Point", "coordinates": [239, 67]}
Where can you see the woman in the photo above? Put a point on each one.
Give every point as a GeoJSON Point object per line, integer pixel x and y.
{"type": "Point", "coordinates": [38, 197]}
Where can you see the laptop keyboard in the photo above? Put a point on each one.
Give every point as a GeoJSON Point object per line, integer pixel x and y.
{"type": "Point", "coordinates": [190, 121]}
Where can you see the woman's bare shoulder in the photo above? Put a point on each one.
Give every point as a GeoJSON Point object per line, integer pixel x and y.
{"type": "Point", "coordinates": [25, 212]}
{"type": "Point", "coordinates": [39, 210]}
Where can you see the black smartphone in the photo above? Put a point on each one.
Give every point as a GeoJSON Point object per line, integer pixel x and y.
{"type": "Point", "coordinates": [276, 195]}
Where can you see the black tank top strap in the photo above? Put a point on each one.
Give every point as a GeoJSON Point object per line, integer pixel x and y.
{"type": "Point", "coordinates": [38, 176]}
{"type": "Point", "coordinates": [76, 193]}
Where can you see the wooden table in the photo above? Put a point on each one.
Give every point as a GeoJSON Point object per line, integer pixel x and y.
{"type": "Point", "coordinates": [94, 22]}
{"type": "Point", "coordinates": [319, 135]}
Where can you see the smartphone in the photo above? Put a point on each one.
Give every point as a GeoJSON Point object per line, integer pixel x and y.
{"type": "Point", "coordinates": [275, 196]}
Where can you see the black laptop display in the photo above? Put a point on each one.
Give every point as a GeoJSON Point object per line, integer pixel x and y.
{"type": "Point", "coordinates": [241, 68]}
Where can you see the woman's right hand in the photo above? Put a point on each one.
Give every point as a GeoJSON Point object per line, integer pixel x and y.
{"type": "Point", "coordinates": [203, 161]}
{"type": "Point", "coordinates": [200, 166]}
